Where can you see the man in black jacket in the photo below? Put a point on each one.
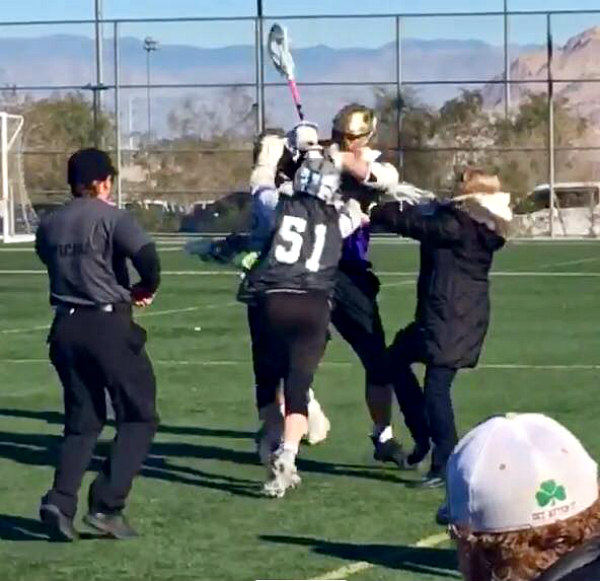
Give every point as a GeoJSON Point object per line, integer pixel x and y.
{"type": "Point", "coordinates": [95, 345]}
{"type": "Point", "coordinates": [522, 501]}
{"type": "Point", "coordinates": [458, 240]}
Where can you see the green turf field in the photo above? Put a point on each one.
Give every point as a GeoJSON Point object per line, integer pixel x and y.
{"type": "Point", "coordinates": [196, 503]}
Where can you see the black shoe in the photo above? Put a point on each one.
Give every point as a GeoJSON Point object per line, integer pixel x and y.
{"type": "Point", "coordinates": [418, 454]}
{"type": "Point", "coordinates": [431, 480]}
{"type": "Point", "coordinates": [112, 525]}
{"type": "Point", "coordinates": [389, 451]}
{"type": "Point", "coordinates": [58, 526]}
{"type": "Point", "coordinates": [442, 516]}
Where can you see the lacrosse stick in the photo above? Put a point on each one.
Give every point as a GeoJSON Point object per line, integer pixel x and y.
{"type": "Point", "coordinates": [279, 51]}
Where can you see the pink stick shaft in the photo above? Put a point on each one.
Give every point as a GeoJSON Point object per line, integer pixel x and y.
{"type": "Point", "coordinates": [294, 89]}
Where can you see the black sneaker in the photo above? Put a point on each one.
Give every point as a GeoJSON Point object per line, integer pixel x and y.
{"type": "Point", "coordinates": [431, 480]}
{"type": "Point", "coordinates": [58, 526]}
{"type": "Point", "coordinates": [389, 451]}
{"type": "Point", "coordinates": [418, 454]}
{"type": "Point", "coordinates": [112, 525]}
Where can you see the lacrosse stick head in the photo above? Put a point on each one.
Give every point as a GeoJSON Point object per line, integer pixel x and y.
{"type": "Point", "coordinates": [279, 51]}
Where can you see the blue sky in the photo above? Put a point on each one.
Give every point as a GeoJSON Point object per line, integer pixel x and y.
{"type": "Point", "coordinates": [344, 33]}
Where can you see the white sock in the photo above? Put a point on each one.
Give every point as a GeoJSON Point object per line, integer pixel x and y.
{"type": "Point", "coordinates": [290, 447]}
{"type": "Point", "coordinates": [382, 433]}
{"type": "Point", "coordinates": [311, 395]}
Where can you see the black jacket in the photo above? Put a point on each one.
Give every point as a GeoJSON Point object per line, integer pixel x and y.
{"type": "Point", "coordinates": [453, 306]}
{"type": "Point", "coordinates": [581, 564]}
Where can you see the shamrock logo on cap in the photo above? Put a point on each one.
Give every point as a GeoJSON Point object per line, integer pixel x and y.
{"type": "Point", "coordinates": [550, 492]}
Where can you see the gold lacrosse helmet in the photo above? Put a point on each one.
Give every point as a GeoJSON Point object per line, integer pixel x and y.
{"type": "Point", "coordinates": [353, 125]}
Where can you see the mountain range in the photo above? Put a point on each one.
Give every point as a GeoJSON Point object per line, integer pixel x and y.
{"type": "Point", "coordinates": [68, 60]}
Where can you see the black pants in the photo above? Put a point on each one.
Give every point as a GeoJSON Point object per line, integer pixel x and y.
{"type": "Point", "coordinates": [93, 351]}
{"type": "Point", "coordinates": [356, 317]}
{"type": "Point", "coordinates": [428, 414]}
{"type": "Point", "coordinates": [289, 332]}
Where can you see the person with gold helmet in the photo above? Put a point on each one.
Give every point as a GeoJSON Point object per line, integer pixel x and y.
{"type": "Point", "coordinates": [356, 314]}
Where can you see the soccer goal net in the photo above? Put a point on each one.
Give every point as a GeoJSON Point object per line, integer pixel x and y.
{"type": "Point", "coordinates": [17, 216]}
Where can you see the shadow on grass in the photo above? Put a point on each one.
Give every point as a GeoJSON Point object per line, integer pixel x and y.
{"type": "Point", "coordinates": [53, 417]}
{"type": "Point", "coordinates": [438, 562]}
{"type": "Point", "coordinates": [42, 450]}
{"type": "Point", "coordinates": [19, 528]}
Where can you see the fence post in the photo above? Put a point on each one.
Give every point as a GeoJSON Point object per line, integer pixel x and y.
{"type": "Point", "coordinates": [551, 152]}
{"type": "Point", "coordinates": [117, 56]}
{"type": "Point", "coordinates": [99, 71]}
{"type": "Point", "coordinates": [399, 152]}
{"type": "Point", "coordinates": [506, 64]}
{"type": "Point", "coordinates": [259, 67]}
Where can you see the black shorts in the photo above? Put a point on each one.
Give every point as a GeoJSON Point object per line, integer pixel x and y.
{"type": "Point", "coordinates": [356, 317]}
{"type": "Point", "coordinates": [289, 332]}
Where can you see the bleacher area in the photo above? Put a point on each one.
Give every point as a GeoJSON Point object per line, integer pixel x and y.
{"type": "Point", "coordinates": [197, 503]}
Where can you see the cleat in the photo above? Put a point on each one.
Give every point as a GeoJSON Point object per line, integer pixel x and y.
{"type": "Point", "coordinates": [58, 526]}
{"type": "Point", "coordinates": [283, 475]}
{"type": "Point", "coordinates": [318, 423]}
{"type": "Point", "coordinates": [389, 451]}
{"type": "Point", "coordinates": [111, 525]}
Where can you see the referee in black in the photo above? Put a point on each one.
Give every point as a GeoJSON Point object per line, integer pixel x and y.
{"type": "Point", "coordinates": [95, 345]}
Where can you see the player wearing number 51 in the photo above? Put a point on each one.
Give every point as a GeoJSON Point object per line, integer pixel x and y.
{"type": "Point", "coordinates": [291, 286]}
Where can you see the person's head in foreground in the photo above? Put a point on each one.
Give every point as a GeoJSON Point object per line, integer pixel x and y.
{"type": "Point", "coordinates": [523, 502]}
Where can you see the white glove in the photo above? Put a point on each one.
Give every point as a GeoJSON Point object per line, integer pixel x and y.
{"type": "Point", "coordinates": [405, 192]}
{"type": "Point", "coordinates": [263, 173]}
{"type": "Point", "coordinates": [303, 137]}
{"type": "Point", "coordinates": [386, 175]}
{"type": "Point", "coordinates": [351, 218]}
{"type": "Point", "coordinates": [271, 150]}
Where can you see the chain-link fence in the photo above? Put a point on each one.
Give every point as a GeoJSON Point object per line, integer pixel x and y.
{"type": "Point", "coordinates": [179, 115]}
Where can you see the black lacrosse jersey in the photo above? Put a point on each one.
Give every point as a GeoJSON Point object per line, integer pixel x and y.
{"type": "Point", "coordinates": [304, 251]}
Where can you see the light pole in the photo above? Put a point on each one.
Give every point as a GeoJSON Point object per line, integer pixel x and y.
{"type": "Point", "coordinates": [150, 45]}
{"type": "Point", "coordinates": [507, 103]}
{"type": "Point", "coordinates": [97, 94]}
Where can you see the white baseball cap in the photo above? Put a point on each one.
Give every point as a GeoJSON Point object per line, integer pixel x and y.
{"type": "Point", "coordinates": [519, 471]}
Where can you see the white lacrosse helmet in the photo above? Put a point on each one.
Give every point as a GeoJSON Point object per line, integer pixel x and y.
{"type": "Point", "coordinates": [318, 177]}
{"type": "Point", "coordinates": [304, 136]}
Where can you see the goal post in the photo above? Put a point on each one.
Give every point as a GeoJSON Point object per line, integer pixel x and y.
{"type": "Point", "coordinates": [17, 216]}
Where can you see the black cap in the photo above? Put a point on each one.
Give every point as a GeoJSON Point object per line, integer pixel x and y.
{"type": "Point", "coordinates": [89, 165]}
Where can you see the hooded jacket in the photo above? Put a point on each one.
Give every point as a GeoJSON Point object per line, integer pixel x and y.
{"type": "Point", "coordinates": [458, 241]}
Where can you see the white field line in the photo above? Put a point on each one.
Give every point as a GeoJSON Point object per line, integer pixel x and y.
{"type": "Point", "coordinates": [395, 284]}
{"type": "Point", "coordinates": [24, 330]}
{"type": "Point", "coordinates": [376, 240]}
{"type": "Point", "coordinates": [514, 273]}
{"type": "Point", "coordinates": [348, 570]}
{"type": "Point", "coordinates": [238, 362]}
{"type": "Point", "coordinates": [140, 315]}
{"type": "Point", "coordinates": [569, 262]}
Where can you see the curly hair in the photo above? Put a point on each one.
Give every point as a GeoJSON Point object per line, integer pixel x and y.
{"type": "Point", "coordinates": [523, 555]}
